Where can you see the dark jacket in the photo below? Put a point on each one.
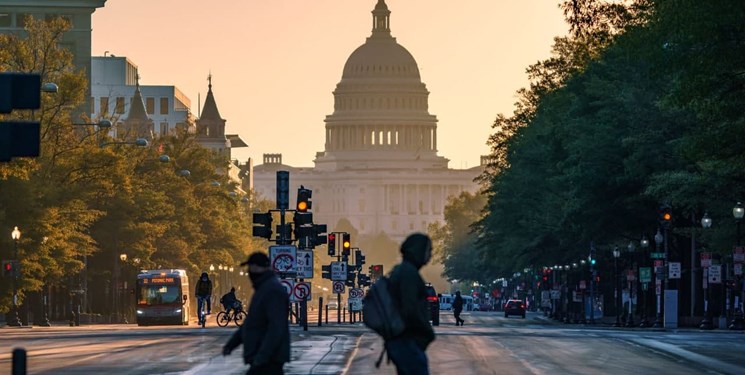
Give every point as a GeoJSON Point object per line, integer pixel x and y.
{"type": "Point", "coordinates": [458, 303]}
{"type": "Point", "coordinates": [204, 288]}
{"type": "Point", "coordinates": [265, 333]}
{"type": "Point", "coordinates": [408, 289]}
{"type": "Point", "coordinates": [229, 298]}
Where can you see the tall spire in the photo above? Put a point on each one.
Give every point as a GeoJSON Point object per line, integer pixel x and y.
{"type": "Point", "coordinates": [210, 112]}
{"type": "Point", "coordinates": [381, 20]}
{"type": "Point", "coordinates": [137, 111]}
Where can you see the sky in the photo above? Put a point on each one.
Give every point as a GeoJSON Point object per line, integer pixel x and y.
{"type": "Point", "coordinates": [275, 63]}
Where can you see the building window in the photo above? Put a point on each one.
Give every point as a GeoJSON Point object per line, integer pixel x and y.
{"type": "Point", "coordinates": [4, 19]}
{"type": "Point", "coordinates": [163, 106]}
{"type": "Point", "coordinates": [150, 105]}
{"type": "Point", "coordinates": [119, 105]}
{"type": "Point", "coordinates": [104, 105]}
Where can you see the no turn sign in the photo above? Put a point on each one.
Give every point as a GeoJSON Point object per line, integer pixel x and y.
{"type": "Point", "coordinates": [300, 292]}
{"type": "Point", "coordinates": [338, 287]}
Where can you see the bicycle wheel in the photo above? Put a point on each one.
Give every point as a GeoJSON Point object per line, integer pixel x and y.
{"type": "Point", "coordinates": [223, 319]}
{"type": "Point", "coordinates": [238, 317]}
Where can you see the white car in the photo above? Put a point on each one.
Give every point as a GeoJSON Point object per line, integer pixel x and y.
{"type": "Point", "coordinates": [333, 305]}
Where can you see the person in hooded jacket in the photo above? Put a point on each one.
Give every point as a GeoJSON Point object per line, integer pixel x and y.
{"type": "Point", "coordinates": [407, 351]}
{"type": "Point", "coordinates": [458, 308]}
{"type": "Point", "coordinates": [265, 333]}
{"type": "Point", "coordinates": [203, 293]}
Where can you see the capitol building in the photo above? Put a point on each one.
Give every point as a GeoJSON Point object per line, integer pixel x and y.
{"type": "Point", "coordinates": [379, 170]}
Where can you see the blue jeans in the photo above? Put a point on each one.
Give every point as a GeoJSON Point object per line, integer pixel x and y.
{"type": "Point", "coordinates": [407, 356]}
{"type": "Point", "coordinates": [200, 302]}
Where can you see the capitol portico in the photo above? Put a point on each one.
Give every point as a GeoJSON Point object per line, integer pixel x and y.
{"type": "Point", "coordinates": [379, 169]}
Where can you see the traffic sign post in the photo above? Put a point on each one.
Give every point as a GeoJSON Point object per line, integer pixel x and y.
{"type": "Point", "coordinates": [705, 259]}
{"type": "Point", "coordinates": [674, 270]}
{"type": "Point", "coordinates": [304, 264]}
{"type": "Point", "coordinates": [338, 271]}
{"type": "Point", "coordinates": [301, 291]}
{"type": "Point", "coordinates": [283, 258]}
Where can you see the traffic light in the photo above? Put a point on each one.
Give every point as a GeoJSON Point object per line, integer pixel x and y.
{"type": "Point", "coordinates": [350, 278]}
{"type": "Point", "coordinates": [303, 199]}
{"type": "Point", "coordinates": [346, 244]}
{"type": "Point", "coordinates": [332, 244]}
{"type": "Point", "coordinates": [359, 258]}
{"type": "Point", "coordinates": [319, 236]}
{"type": "Point", "coordinates": [376, 271]}
{"type": "Point", "coordinates": [262, 225]}
{"type": "Point", "coordinates": [666, 216]}
{"type": "Point", "coordinates": [7, 268]}
{"type": "Point", "coordinates": [19, 138]}
{"type": "Point", "coordinates": [285, 231]}
{"type": "Point", "coordinates": [326, 272]}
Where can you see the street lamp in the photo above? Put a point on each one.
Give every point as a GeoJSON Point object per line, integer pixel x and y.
{"type": "Point", "coordinates": [737, 323]}
{"type": "Point", "coordinates": [706, 322]}
{"type": "Point", "coordinates": [16, 236]}
{"type": "Point", "coordinates": [630, 321]}
{"type": "Point", "coordinates": [140, 142]}
{"type": "Point", "coordinates": [616, 296]}
{"type": "Point", "coordinates": [658, 239]}
{"type": "Point", "coordinates": [645, 245]}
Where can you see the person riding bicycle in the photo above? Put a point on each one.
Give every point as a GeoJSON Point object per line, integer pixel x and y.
{"type": "Point", "coordinates": [230, 301]}
{"type": "Point", "coordinates": [203, 293]}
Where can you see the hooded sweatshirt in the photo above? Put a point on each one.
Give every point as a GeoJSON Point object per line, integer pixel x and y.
{"type": "Point", "coordinates": [410, 292]}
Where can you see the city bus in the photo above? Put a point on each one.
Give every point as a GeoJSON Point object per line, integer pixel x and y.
{"type": "Point", "coordinates": [162, 297]}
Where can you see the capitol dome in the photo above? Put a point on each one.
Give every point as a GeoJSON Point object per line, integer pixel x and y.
{"type": "Point", "coordinates": [381, 57]}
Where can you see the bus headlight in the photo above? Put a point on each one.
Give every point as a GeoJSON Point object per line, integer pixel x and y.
{"type": "Point", "coordinates": [139, 312]}
{"type": "Point", "coordinates": [178, 311]}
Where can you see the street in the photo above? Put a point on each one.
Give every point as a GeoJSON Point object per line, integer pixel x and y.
{"type": "Point", "coordinates": [489, 343]}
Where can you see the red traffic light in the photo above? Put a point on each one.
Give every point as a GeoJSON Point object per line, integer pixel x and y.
{"type": "Point", "coordinates": [8, 266]}
{"type": "Point", "coordinates": [376, 268]}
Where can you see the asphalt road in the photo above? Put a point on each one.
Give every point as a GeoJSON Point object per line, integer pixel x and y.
{"type": "Point", "coordinates": [487, 344]}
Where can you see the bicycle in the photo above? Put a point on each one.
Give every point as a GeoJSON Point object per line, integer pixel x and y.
{"type": "Point", "coordinates": [202, 311]}
{"type": "Point", "coordinates": [236, 315]}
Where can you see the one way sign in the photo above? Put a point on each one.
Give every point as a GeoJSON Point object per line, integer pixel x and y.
{"type": "Point", "coordinates": [304, 264]}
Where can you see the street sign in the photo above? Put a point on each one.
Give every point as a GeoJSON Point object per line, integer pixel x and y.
{"type": "Point", "coordinates": [338, 271]}
{"type": "Point", "coordinates": [289, 285]}
{"type": "Point", "coordinates": [338, 287]}
{"type": "Point", "coordinates": [355, 304]}
{"type": "Point", "coordinates": [645, 274]}
{"type": "Point", "coordinates": [300, 292]}
{"type": "Point", "coordinates": [738, 254]}
{"type": "Point", "coordinates": [630, 276]}
{"type": "Point", "coordinates": [304, 264]}
{"type": "Point", "coordinates": [657, 255]}
{"type": "Point", "coordinates": [555, 294]}
{"type": "Point", "coordinates": [356, 293]}
{"type": "Point", "coordinates": [715, 274]}
{"type": "Point", "coordinates": [355, 298]}
{"type": "Point", "coordinates": [283, 258]}
{"type": "Point", "coordinates": [705, 259]}
{"type": "Point", "coordinates": [738, 269]}
{"type": "Point", "coordinates": [673, 270]}
{"type": "Point", "coordinates": [582, 284]}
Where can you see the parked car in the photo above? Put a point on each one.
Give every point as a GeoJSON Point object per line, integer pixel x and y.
{"type": "Point", "coordinates": [434, 305]}
{"type": "Point", "coordinates": [333, 305]}
{"type": "Point", "coordinates": [514, 307]}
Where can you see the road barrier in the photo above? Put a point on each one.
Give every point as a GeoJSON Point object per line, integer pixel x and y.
{"type": "Point", "coordinates": [19, 361]}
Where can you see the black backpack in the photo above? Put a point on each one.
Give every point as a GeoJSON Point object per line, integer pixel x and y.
{"type": "Point", "coordinates": [380, 313]}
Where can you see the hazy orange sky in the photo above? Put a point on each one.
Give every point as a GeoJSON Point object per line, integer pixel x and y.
{"type": "Point", "coordinates": [275, 63]}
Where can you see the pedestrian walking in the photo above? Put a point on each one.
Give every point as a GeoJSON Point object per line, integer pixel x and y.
{"type": "Point", "coordinates": [265, 333]}
{"type": "Point", "coordinates": [407, 351]}
{"type": "Point", "coordinates": [458, 308]}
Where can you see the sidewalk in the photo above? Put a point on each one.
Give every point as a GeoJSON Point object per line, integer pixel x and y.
{"type": "Point", "coordinates": [606, 323]}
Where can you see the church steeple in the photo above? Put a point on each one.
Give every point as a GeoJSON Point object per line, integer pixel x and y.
{"type": "Point", "coordinates": [137, 122]}
{"type": "Point", "coordinates": [210, 111]}
{"type": "Point", "coordinates": [381, 20]}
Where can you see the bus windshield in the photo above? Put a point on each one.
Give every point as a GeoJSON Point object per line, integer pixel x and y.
{"type": "Point", "coordinates": [158, 294]}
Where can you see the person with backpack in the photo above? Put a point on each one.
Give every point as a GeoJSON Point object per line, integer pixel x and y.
{"type": "Point", "coordinates": [458, 308]}
{"type": "Point", "coordinates": [407, 288]}
{"type": "Point", "coordinates": [203, 292]}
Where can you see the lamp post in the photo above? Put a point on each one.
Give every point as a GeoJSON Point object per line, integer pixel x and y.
{"type": "Point", "coordinates": [658, 239]}
{"type": "Point", "coordinates": [123, 311]}
{"type": "Point", "coordinates": [16, 236]}
{"type": "Point", "coordinates": [645, 245]}
{"type": "Point", "coordinates": [737, 323]}
{"type": "Point", "coordinates": [616, 296]}
{"type": "Point", "coordinates": [630, 321]}
{"type": "Point", "coordinates": [706, 322]}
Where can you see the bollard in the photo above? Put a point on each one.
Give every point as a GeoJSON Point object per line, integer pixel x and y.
{"type": "Point", "coordinates": [320, 310]}
{"type": "Point", "coordinates": [344, 314]}
{"type": "Point", "coordinates": [19, 362]}
{"type": "Point", "coordinates": [327, 314]}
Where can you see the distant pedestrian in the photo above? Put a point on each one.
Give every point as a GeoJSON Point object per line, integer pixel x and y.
{"type": "Point", "coordinates": [458, 308]}
{"type": "Point", "coordinates": [203, 293]}
{"type": "Point", "coordinates": [407, 351]}
{"type": "Point", "coordinates": [265, 333]}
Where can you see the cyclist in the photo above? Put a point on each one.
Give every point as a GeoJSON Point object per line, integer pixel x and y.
{"type": "Point", "coordinates": [203, 293]}
{"type": "Point", "coordinates": [230, 301]}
